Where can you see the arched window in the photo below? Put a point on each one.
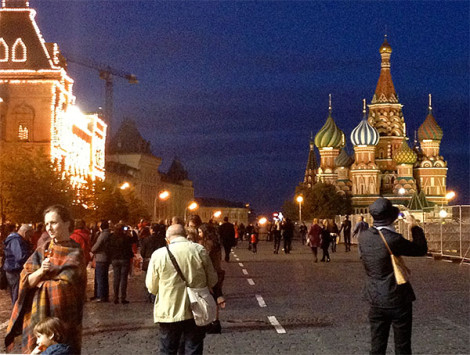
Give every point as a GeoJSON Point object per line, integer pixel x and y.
{"type": "Point", "coordinates": [3, 51]}
{"type": "Point", "coordinates": [18, 51]}
{"type": "Point", "coordinates": [24, 122]}
{"type": "Point", "coordinates": [23, 133]}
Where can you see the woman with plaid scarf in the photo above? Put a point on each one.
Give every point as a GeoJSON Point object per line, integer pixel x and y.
{"type": "Point", "coordinates": [52, 284]}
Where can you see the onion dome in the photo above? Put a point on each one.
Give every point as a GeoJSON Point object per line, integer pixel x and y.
{"type": "Point", "coordinates": [405, 155]}
{"type": "Point", "coordinates": [329, 135]}
{"type": "Point", "coordinates": [429, 128]}
{"type": "Point", "coordinates": [344, 159]}
{"type": "Point", "coordinates": [364, 133]}
{"type": "Point", "coordinates": [385, 47]}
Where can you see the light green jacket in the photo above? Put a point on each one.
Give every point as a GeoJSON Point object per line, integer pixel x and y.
{"type": "Point", "coordinates": [162, 280]}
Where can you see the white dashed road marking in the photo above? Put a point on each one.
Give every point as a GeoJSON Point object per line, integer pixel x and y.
{"type": "Point", "coordinates": [241, 265]}
{"type": "Point", "coordinates": [245, 272]}
{"type": "Point", "coordinates": [251, 282]}
{"type": "Point", "coordinates": [261, 301]}
{"type": "Point", "coordinates": [276, 325]}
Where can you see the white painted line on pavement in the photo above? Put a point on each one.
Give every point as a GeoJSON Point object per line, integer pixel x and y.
{"type": "Point", "coordinates": [251, 282]}
{"type": "Point", "coordinates": [237, 259]}
{"type": "Point", "coordinates": [276, 325]}
{"type": "Point", "coordinates": [4, 325]}
{"type": "Point", "coordinates": [241, 264]}
{"type": "Point", "coordinates": [245, 272]}
{"type": "Point", "coordinates": [447, 261]}
{"type": "Point", "coordinates": [261, 301]}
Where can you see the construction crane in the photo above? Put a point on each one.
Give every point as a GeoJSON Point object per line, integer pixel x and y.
{"type": "Point", "coordinates": [107, 73]}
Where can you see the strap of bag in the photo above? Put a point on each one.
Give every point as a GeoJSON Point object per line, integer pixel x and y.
{"type": "Point", "coordinates": [175, 264]}
{"type": "Point", "coordinates": [386, 244]}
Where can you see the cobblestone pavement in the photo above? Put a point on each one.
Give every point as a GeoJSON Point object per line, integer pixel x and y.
{"type": "Point", "coordinates": [287, 304]}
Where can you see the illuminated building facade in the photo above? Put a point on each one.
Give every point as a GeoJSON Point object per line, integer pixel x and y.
{"type": "Point", "coordinates": [383, 163]}
{"type": "Point", "coordinates": [37, 103]}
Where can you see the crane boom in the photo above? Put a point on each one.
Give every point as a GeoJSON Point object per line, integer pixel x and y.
{"type": "Point", "coordinates": [106, 73]}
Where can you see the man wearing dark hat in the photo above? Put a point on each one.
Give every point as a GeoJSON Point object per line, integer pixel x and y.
{"type": "Point", "coordinates": [390, 304]}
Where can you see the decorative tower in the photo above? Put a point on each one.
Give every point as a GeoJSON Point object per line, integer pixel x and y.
{"type": "Point", "coordinates": [364, 172]}
{"type": "Point", "coordinates": [343, 163]}
{"type": "Point", "coordinates": [431, 169]}
{"type": "Point", "coordinates": [385, 114]}
{"type": "Point", "coordinates": [405, 184]}
{"type": "Point", "coordinates": [311, 169]}
{"type": "Point", "coordinates": [328, 140]}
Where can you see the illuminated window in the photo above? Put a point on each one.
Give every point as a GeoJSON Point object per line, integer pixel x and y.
{"type": "Point", "coordinates": [3, 51]}
{"type": "Point", "coordinates": [23, 133]}
{"type": "Point", "coordinates": [19, 51]}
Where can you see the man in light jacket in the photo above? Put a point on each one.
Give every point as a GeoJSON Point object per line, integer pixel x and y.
{"type": "Point", "coordinates": [172, 307]}
{"type": "Point", "coordinates": [390, 303]}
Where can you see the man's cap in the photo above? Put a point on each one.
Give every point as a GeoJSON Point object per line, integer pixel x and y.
{"type": "Point", "coordinates": [383, 212]}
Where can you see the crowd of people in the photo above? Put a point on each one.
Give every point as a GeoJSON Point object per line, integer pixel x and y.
{"type": "Point", "coordinates": [46, 270]}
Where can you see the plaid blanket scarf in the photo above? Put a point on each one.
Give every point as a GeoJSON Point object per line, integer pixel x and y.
{"type": "Point", "coordinates": [60, 293]}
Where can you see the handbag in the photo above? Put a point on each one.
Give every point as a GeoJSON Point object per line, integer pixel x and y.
{"type": "Point", "coordinates": [202, 303]}
{"type": "Point", "coordinates": [402, 273]}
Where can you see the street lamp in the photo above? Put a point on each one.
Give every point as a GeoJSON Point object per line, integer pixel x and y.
{"type": "Point", "coordinates": [262, 221]}
{"type": "Point", "coordinates": [162, 196]}
{"type": "Point", "coordinates": [192, 206]}
{"type": "Point", "coordinates": [300, 199]}
{"type": "Point", "coordinates": [125, 185]}
{"type": "Point", "coordinates": [217, 214]}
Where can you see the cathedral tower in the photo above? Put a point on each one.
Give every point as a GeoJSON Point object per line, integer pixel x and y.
{"type": "Point", "coordinates": [328, 140]}
{"type": "Point", "coordinates": [431, 169]}
{"type": "Point", "coordinates": [343, 164]}
{"type": "Point", "coordinates": [364, 172]}
{"type": "Point", "coordinates": [405, 184]}
{"type": "Point", "coordinates": [311, 170]}
{"type": "Point", "coordinates": [385, 114]}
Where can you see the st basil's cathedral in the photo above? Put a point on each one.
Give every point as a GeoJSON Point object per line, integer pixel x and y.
{"type": "Point", "coordinates": [383, 164]}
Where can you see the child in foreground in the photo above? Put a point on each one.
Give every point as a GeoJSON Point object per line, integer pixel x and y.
{"type": "Point", "coordinates": [49, 334]}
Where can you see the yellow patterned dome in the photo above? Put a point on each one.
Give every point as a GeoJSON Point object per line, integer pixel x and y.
{"type": "Point", "coordinates": [405, 155]}
{"type": "Point", "coordinates": [329, 135]}
{"type": "Point", "coordinates": [385, 47]}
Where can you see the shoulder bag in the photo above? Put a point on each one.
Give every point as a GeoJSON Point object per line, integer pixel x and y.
{"type": "Point", "coordinates": [402, 273]}
{"type": "Point", "coordinates": [202, 303]}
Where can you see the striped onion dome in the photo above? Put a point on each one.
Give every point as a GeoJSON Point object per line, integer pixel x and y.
{"type": "Point", "coordinates": [430, 129]}
{"type": "Point", "coordinates": [405, 155]}
{"type": "Point", "coordinates": [364, 134]}
{"type": "Point", "coordinates": [329, 135]}
{"type": "Point", "coordinates": [344, 159]}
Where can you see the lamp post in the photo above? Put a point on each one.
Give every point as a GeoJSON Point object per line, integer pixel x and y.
{"type": "Point", "coordinates": [192, 206]}
{"type": "Point", "coordinates": [300, 199]}
{"type": "Point", "coordinates": [162, 196]}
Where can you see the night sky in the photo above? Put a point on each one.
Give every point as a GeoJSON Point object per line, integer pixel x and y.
{"type": "Point", "coordinates": [235, 88]}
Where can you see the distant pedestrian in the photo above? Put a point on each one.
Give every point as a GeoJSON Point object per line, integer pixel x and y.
{"type": "Point", "coordinates": [360, 227]}
{"type": "Point", "coordinates": [17, 250]}
{"type": "Point", "coordinates": [82, 236]}
{"type": "Point", "coordinates": [334, 233]}
{"type": "Point", "coordinates": [227, 237]}
{"type": "Point", "coordinates": [50, 335]}
{"type": "Point", "coordinates": [303, 233]}
{"type": "Point", "coordinates": [314, 238]}
{"type": "Point", "coordinates": [37, 235]}
{"type": "Point", "coordinates": [121, 255]}
{"type": "Point", "coordinates": [390, 303]}
{"type": "Point", "coordinates": [277, 236]}
{"type": "Point", "coordinates": [287, 231]}
{"type": "Point", "coordinates": [241, 232]}
{"type": "Point", "coordinates": [254, 238]}
{"type": "Point", "coordinates": [172, 310]}
{"type": "Point", "coordinates": [346, 228]}
{"type": "Point", "coordinates": [101, 253]}
{"type": "Point", "coordinates": [325, 241]}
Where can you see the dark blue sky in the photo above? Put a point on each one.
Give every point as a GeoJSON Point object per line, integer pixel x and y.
{"type": "Point", "coordinates": [235, 88]}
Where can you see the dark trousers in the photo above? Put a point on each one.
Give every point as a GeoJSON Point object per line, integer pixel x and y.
{"type": "Point", "coordinates": [347, 241]}
{"type": "Point", "coordinates": [400, 319]}
{"type": "Point", "coordinates": [326, 254]}
{"type": "Point", "coordinates": [13, 279]}
{"type": "Point", "coordinates": [287, 245]}
{"type": "Point", "coordinates": [227, 249]}
{"type": "Point", "coordinates": [277, 241]}
{"type": "Point", "coordinates": [333, 243]}
{"type": "Point", "coordinates": [315, 252]}
{"type": "Point", "coordinates": [186, 331]}
{"type": "Point", "coordinates": [101, 280]}
{"type": "Point", "coordinates": [121, 273]}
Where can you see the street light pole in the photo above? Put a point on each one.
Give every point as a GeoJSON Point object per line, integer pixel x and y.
{"type": "Point", "coordinates": [300, 200]}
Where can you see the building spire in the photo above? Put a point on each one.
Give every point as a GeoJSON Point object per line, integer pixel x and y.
{"type": "Point", "coordinates": [364, 108]}
{"type": "Point", "coordinates": [329, 104]}
{"type": "Point", "coordinates": [430, 103]}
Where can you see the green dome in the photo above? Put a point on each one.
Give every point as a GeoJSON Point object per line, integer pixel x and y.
{"type": "Point", "coordinates": [343, 159]}
{"type": "Point", "coordinates": [405, 155]}
{"type": "Point", "coordinates": [329, 135]}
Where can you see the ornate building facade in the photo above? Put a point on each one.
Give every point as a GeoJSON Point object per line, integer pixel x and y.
{"type": "Point", "coordinates": [37, 105]}
{"type": "Point", "coordinates": [383, 164]}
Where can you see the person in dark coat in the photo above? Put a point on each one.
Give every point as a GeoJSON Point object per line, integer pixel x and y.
{"type": "Point", "coordinates": [287, 231]}
{"type": "Point", "coordinates": [101, 253]}
{"type": "Point", "coordinates": [227, 237]}
{"type": "Point", "coordinates": [390, 303]}
{"type": "Point", "coordinates": [121, 254]}
{"type": "Point", "coordinates": [346, 228]}
{"type": "Point", "coordinates": [325, 241]}
{"type": "Point", "coordinates": [17, 250]}
{"type": "Point", "coordinates": [334, 233]}
{"type": "Point", "coordinates": [314, 238]}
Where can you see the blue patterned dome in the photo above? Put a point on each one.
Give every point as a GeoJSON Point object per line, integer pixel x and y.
{"type": "Point", "coordinates": [364, 134]}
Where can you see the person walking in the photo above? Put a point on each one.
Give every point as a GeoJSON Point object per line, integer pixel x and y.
{"type": "Point", "coordinates": [227, 237]}
{"type": "Point", "coordinates": [325, 241]}
{"type": "Point", "coordinates": [314, 238]}
{"type": "Point", "coordinates": [276, 230]}
{"type": "Point", "coordinates": [334, 233]}
{"type": "Point", "coordinates": [121, 255]}
{"type": "Point", "coordinates": [172, 308]}
{"type": "Point", "coordinates": [360, 227]}
{"type": "Point", "coordinates": [346, 228]}
{"type": "Point", "coordinates": [82, 236]}
{"type": "Point", "coordinates": [303, 233]}
{"type": "Point", "coordinates": [102, 257]}
{"type": "Point", "coordinates": [390, 303]}
{"type": "Point", "coordinates": [17, 250]}
{"type": "Point", "coordinates": [287, 231]}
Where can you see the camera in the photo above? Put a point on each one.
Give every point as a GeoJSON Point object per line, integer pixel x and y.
{"type": "Point", "coordinates": [126, 228]}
